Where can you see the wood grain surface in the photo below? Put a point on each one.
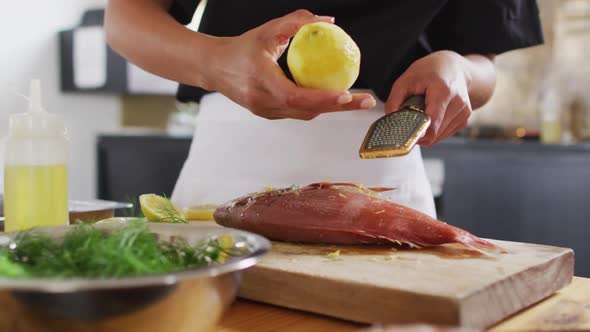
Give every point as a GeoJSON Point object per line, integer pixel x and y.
{"type": "Point", "coordinates": [445, 285]}
{"type": "Point", "coordinates": [567, 310]}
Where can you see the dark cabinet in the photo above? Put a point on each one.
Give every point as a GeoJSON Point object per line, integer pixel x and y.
{"type": "Point", "coordinates": [131, 165]}
{"type": "Point", "coordinates": [524, 192]}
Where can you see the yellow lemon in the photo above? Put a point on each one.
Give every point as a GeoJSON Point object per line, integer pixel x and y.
{"type": "Point", "coordinates": [160, 209]}
{"type": "Point", "coordinates": [323, 56]}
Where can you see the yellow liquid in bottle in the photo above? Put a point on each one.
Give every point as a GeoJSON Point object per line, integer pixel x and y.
{"type": "Point", "coordinates": [35, 196]}
{"type": "Point", "coordinates": [551, 132]}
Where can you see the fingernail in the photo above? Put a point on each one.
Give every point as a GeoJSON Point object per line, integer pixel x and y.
{"type": "Point", "coordinates": [344, 99]}
{"type": "Point", "coordinates": [330, 18]}
{"type": "Point", "coordinates": [368, 103]}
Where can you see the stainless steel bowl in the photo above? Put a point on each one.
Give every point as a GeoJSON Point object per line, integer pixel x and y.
{"type": "Point", "coordinates": [189, 300]}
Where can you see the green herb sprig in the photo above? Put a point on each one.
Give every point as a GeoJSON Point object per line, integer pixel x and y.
{"type": "Point", "coordinates": [89, 252]}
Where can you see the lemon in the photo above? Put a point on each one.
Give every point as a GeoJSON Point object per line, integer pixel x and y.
{"type": "Point", "coordinates": [160, 209]}
{"type": "Point", "coordinates": [226, 243]}
{"type": "Point", "coordinates": [323, 56]}
{"type": "Point", "coordinates": [201, 212]}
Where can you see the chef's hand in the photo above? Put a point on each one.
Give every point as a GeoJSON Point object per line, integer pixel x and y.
{"type": "Point", "coordinates": [245, 69]}
{"type": "Point", "coordinates": [450, 82]}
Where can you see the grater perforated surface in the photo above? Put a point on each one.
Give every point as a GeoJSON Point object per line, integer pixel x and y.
{"type": "Point", "coordinates": [395, 129]}
{"type": "Point", "coordinates": [395, 134]}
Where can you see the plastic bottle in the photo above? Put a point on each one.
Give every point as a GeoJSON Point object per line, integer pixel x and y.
{"type": "Point", "coordinates": [35, 168]}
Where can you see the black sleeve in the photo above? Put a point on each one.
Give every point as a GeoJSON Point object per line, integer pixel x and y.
{"type": "Point", "coordinates": [485, 26]}
{"type": "Point", "coordinates": [183, 10]}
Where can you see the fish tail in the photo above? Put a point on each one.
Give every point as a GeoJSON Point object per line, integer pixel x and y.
{"type": "Point", "coordinates": [482, 246]}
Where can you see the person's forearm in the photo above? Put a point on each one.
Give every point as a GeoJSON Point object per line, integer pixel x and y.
{"type": "Point", "coordinates": [482, 74]}
{"type": "Point", "coordinates": [144, 33]}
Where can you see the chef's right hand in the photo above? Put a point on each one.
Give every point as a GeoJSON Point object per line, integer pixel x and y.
{"type": "Point", "coordinates": [245, 69]}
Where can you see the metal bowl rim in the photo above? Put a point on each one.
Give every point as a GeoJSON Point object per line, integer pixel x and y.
{"type": "Point", "coordinates": [48, 285]}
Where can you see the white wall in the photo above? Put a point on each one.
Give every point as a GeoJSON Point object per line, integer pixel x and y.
{"type": "Point", "coordinates": [29, 48]}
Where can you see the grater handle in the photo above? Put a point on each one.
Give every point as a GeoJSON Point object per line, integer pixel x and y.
{"type": "Point", "coordinates": [416, 102]}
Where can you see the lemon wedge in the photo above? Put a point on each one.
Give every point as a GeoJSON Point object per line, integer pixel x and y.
{"type": "Point", "coordinates": [226, 243]}
{"type": "Point", "coordinates": [323, 56]}
{"type": "Point", "coordinates": [160, 209]}
{"type": "Point", "coordinates": [200, 212]}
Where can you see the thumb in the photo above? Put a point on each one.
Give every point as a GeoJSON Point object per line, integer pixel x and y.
{"type": "Point", "coordinates": [396, 98]}
{"type": "Point", "coordinates": [280, 30]}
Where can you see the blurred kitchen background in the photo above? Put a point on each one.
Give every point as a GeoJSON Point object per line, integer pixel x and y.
{"type": "Point", "coordinates": [520, 171]}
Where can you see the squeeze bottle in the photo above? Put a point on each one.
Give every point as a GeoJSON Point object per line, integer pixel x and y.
{"type": "Point", "coordinates": [35, 168]}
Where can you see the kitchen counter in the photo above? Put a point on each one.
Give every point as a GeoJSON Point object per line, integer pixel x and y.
{"type": "Point", "coordinates": [502, 144]}
{"type": "Point", "coordinates": [568, 310]}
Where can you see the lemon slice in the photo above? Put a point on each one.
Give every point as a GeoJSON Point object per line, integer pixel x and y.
{"type": "Point", "coordinates": [226, 243]}
{"type": "Point", "coordinates": [200, 212]}
{"type": "Point", "coordinates": [160, 209]}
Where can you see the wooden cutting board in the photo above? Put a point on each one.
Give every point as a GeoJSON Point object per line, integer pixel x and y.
{"type": "Point", "coordinates": [444, 285]}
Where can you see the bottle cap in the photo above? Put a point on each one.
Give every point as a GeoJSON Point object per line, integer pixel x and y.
{"type": "Point", "coordinates": [36, 122]}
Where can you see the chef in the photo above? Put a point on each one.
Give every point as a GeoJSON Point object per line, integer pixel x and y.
{"type": "Point", "coordinates": [257, 128]}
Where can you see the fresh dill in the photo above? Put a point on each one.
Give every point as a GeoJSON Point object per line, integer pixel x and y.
{"type": "Point", "coordinates": [161, 209]}
{"type": "Point", "coordinates": [87, 251]}
{"type": "Point", "coordinates": [169, 213]}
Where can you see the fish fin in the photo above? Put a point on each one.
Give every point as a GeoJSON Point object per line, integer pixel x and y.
{"type": "Point", "coordinates": [482, 246]}
{"type": "Point", "coordinates": [397, 241]}
{"type": "Point", "coordinates": [380, 189]}
{"type": "Point", "coordinates": [322, 185]}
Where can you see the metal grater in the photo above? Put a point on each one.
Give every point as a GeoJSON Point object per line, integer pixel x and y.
{"type": "Point", "coordinates": [395, 134]}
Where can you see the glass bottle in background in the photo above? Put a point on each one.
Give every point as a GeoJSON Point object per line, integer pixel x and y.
{"type": "Point", "coordinates": [580, 110]}
{"type": "Point", "coordinates": [551, 131]}
{"type": "Point", "coordinates": [35, 168]}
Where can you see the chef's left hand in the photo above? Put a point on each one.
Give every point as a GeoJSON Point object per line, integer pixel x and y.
{"type": "Point", "coordinates": [444, 79]}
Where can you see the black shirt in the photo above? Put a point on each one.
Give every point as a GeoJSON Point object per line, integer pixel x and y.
{"type": "Point", "coordinates": [391, 34]}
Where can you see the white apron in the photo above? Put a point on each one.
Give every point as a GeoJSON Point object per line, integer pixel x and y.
{"type": "Point", "coordinates": [234, 153]}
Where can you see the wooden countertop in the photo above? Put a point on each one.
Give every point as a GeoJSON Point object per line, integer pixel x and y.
{"type": "Point", "coordinates": [568, 310]}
